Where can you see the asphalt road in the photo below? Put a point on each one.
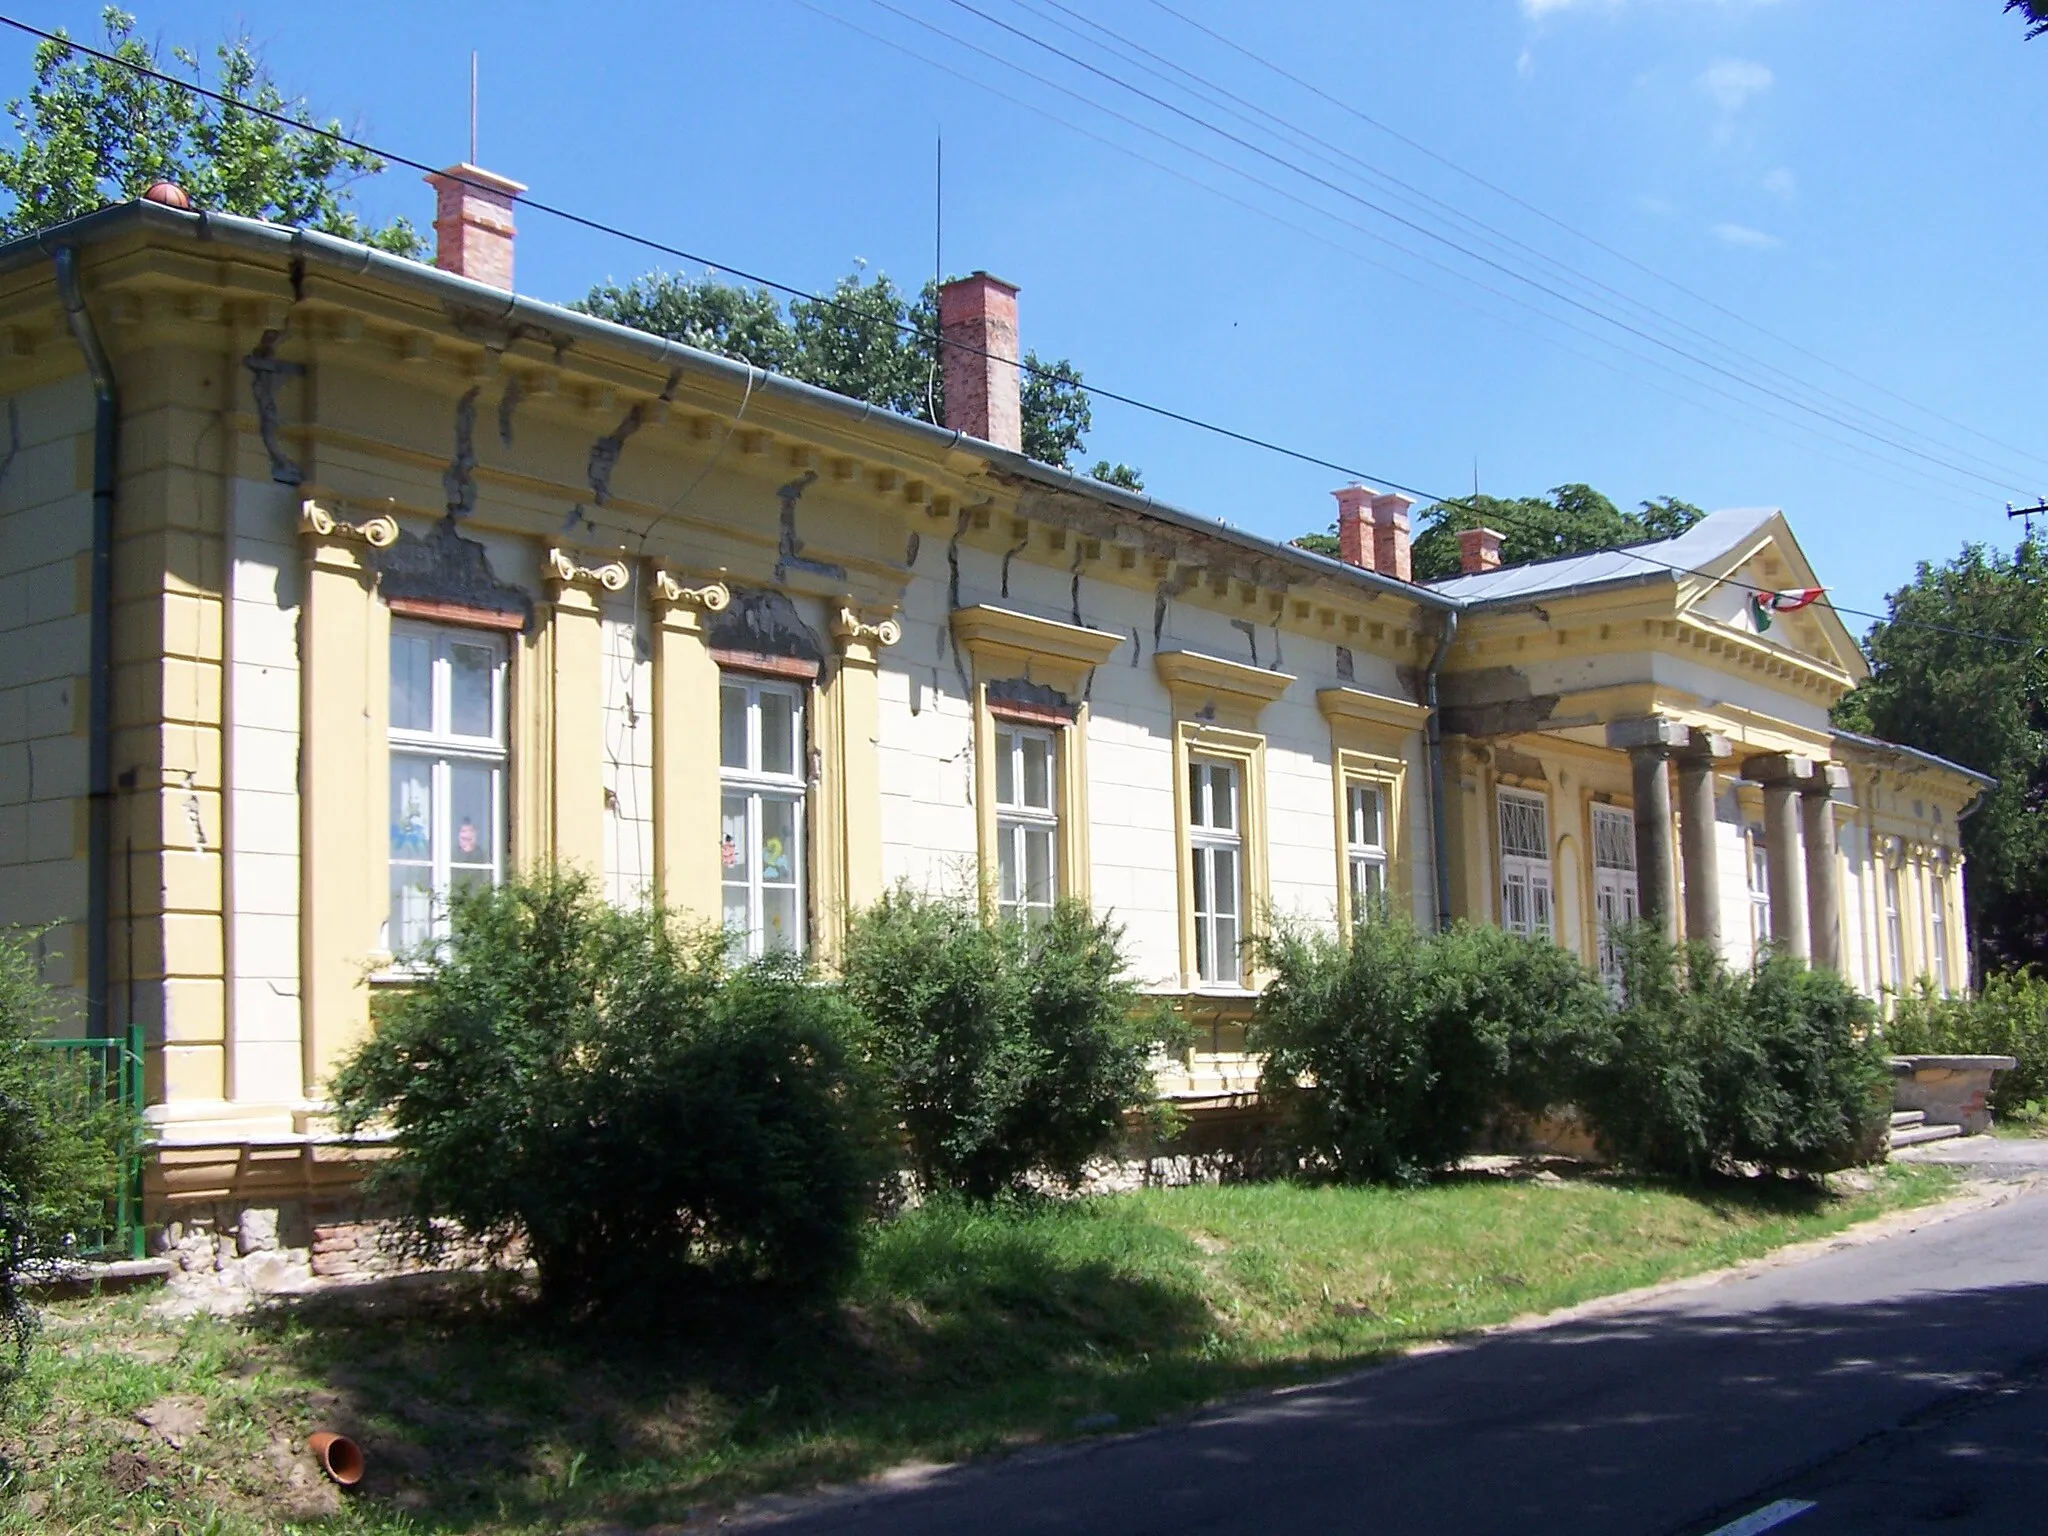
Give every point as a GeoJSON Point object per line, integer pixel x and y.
{"type": "Point", "coordinates": [1897, 1385]}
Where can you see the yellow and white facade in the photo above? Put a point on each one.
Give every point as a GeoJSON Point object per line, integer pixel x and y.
{"type": "Point", "coordinates": [415, 583]}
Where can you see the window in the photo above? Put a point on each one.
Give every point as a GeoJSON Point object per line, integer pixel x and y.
{"type": "Point", "coordinates": [1938, 915]}
{"type": "Point", "coordinates": [1027, 823]}
{"type": "Point", "coordinates": [1894, 931]}
{"type": "Point", "coordinates": [447, 775]}
{"type": "Point", "coordinates": [1524, 863]}
{"type": "Point", "coordinates": [1365, 849]}
{"type": "Point", "coordinates": [1216, 841]}
{"type": "Point", "coordinates": [1615, 899]}
{"type": "Point", "coordinates": [761, 832]}
{"type": "Point", "coordinates": [1757, 869]}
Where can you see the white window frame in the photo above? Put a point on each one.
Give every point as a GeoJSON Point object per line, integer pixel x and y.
{"type": "Point", "coordinates": [1617, 895]}
{"type": "Point", "coordinates": [1209, 846]}
{"type": "Point", "coordinates": [756, 785]}
{"type": "Point", "coordinates": [1365, 860]}
{"type": "Point", "coordinates": [1894, 928]}
{"type": "Point", "coordinates": [1756, 878]}
{"type": "Point", "coordinates": [443, 749]}
{"type": "Point", "coordinates": [1018, 822]}
{"type": "Point", "coordinates": [1525, 879]}
{"type": "Point", "coordinates": [1937, 914]}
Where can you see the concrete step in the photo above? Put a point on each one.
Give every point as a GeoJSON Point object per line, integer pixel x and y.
{"type": "Point", "coordinates": [1906, 1119]}
{"type": "Point", "coordinates": [1920, 1133]}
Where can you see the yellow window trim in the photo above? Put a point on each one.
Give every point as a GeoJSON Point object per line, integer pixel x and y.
{"type": "Point", "coordinates": [1246, 751]}
{"type": "Point", "coordinates": [1389, 775]}
{"type": "Point", "coordinates": [1005, 644]}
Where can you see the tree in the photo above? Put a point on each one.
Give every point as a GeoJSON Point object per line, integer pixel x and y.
{"type": "Point", "coordinates": [1574, 519]}
{"type": "Point", "coordinates": [2036, 12]}
{"type": "Point", "coordinates": [94, 133]}
{"type": "Point", "coordinates": [866, 339]}
{"type": "Point", "coordinates": [1945, 679]}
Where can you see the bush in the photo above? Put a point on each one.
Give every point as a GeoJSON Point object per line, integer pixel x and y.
{"type": "Point", "coordinates": [604, 1087]}
{"type": "Point", "coordinates": [1776, 1068]}
{"type": "Point", "coordinates": [63, 1144]}
{"type": "Point", "coordinates": [2008, 1017]}
{"type": "Point", "coordinates": [1004, 1051]}
{"type": "Point", "coordinates": [1387, 1051]}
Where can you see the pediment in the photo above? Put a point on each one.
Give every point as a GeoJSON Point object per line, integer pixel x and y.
{"type": "Point", "coordinates": [1718, 594]}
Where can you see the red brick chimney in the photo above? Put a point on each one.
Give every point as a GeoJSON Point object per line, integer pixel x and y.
{"type": "Point", "coordinates": [1354, 515]}
{"type": "Point", "coordinates": [1478, 550]}
{"type": "Point", "coordinates": [978, 324]}
{"type": "Point", "coordinates": [1390, 535]}
{"type": "Point", "coordinates": [473, 223]}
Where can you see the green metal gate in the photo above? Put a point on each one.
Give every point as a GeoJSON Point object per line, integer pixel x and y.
{"type": "Point", "coordinates": [105, 1070]}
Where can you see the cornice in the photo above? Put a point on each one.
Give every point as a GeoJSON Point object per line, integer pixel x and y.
{"type": "Point", "coordinates": [1191, 673]}
{"type": "Point", "coordinates": [1370, 708]}
{"type": "Point", "coordinates": [986, 630]}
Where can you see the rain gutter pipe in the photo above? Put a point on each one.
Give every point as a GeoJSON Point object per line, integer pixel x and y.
{"type": "Point", "coordinates": [1438, 841]}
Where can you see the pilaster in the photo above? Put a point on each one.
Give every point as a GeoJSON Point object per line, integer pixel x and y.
{"type": "Point", "coordinates": [686, 742]}
{"type": "Point", "coordinates": [847, 858]}
{"type": "Point", "coordinates": [576, 644]}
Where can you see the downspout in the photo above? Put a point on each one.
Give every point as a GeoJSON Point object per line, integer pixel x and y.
{"type": "Point", "coordinates": [100, 699]}
{"type": "Point", "coordinates": [1438, 839]}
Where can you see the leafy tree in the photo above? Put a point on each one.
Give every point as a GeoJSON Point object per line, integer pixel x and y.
{"type": "Point", "coordinates": [1943, 680]}
{"type": "Point", "coordinates": [1007, 1050]}
{"type": "Point", "coordinates": [867, 339]}
{"type": "Point", "coordinates": [603, 1087]}
{"type": "Point", "coordinates": [94, 133]}
{"type": "Point", "coordinates": [62, 1144]}
{"type": "Point", "coordinates": [1118, 473]}
{"type": "Point", "coordinates": [1573, 519]}
{"type": "Point", "coordinates": [2036, 12]}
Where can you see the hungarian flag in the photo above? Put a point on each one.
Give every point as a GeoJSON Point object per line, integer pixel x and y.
{"type": "Point", "coordinates": [1763, 604]}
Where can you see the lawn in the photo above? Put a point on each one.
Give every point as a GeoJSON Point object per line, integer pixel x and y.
{"type": "Point", "coordinates": [967, 1332]}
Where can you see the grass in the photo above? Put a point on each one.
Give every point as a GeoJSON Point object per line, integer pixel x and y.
{"type": "Point", "coordinates": [968, 1332]}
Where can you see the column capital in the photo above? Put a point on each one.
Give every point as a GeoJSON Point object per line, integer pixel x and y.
{"type": "Point", "coordinates": [1779, 768]}
{"type": "Point", "coordinates": [682, 599]}
{"type": "Point", "coordinates": [575, 584]}
{"type": "Point", "coordinates": [1652, 733]}
{"type": "Point", "coordinates": [1829, 780]}
{"type": "Point", "coordinates": [333, 539]}
{"type": "Point", "coordinates": [1705, 746]}
{"type": "Point", "coordinates": [860, 633]}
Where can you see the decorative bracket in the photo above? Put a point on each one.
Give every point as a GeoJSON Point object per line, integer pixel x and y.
{"type": "Point", "coordinates": [713, 596]}
{"type": "Point", "coordinates": [319, 522]}
{"type": "Point", "coordinates": [564, 571]}
{"type": "Point", "coordinates": [851, 627]}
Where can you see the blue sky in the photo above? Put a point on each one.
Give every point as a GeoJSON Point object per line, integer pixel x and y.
{"type": "Point", "coordinates": [1848, 196]}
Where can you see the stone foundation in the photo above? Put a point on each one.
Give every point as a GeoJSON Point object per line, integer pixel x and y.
{"type": "Point", "coordinates": [1949, 1090]}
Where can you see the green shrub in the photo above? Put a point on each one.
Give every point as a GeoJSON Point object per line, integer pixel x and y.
{"type": "Point", "coordinates": [1712, 1070]}
{"type": "Point", "coordinates": [1388, 1050]}
{"type": "Point", "coordinates": [1005, 1051]}
{"type": "Point", "coordinates": [603, 1087]}
{"type": "Point", "coordinates": [2008, 1017]}
{"type": "Point", "coordinates": [63, 1145]}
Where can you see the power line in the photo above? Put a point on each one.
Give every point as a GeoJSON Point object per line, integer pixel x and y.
{"type": "Point", "coordinates": [1520, 302]}
{"type": "Point", "coordinates": [1165, 412]}
{"type": "Point", "coordinates": [1467, 252]}
{"type": "Point", "coordinates": [1579, 234]}
{"type": "Point", "coordinates": [1323, 149]}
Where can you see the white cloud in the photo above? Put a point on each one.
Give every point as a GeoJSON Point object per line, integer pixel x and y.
{"type": "Point", "coordinates": [1525, 65]}
{"type": "Point", "coordinates": [1733, 83]}
{"type": "Point", "coordinates": [1743, 236]}
{"type": "Point", "coordinates": [1782, 184]}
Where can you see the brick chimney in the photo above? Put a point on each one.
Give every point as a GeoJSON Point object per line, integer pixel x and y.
{"type": "Point", "coordinates": [1478, 550]}
{"type": "Point", "coordinates": [473, 223]}
{"type": "Point", "coordinates": [978, 324]}
{"type": "Point", "coordinates": [1354, 519]}
{"type": "Point", "coordinates": [1390, 535]}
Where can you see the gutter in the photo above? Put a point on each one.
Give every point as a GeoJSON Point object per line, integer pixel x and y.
{"type": "Point", "coordinates": [1439, 841]}
{"type": "Point", "coordinates": [100, 700]}
{"type": "Point", "coordinates": [446, 291]}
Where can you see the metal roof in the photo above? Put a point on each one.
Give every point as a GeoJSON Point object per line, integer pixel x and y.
{"type": "Point", "coordinates": [1713, 537]}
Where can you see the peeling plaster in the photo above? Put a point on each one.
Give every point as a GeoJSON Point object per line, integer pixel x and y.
{"type": "Point", "coordinates": [507, 404]}
{"type": "Point", "coordinates": [1279, 659]}
{"type": "Point", "coordinates": [1250, 631]}
{"type": "Point", "coordinates": [1162, 596]}
{"type": "Point", "coordinates": [1074, 596]}
{"type": "Point", "coordinates": [1137, 646]}
{"type": "Point", "coordinates": [911, 549]}
{"type": "Point", "coordinates": [265, 369]}
{"type": "Point", "coordinates": [604, 454]}
{"type": "Point", "coordinates": [1347, 668]}
{"type": "Point", "coordinates": [458, 481]}
{"type": "Point", "coordinates": [790, 554]}
{"type": "Point", "coordinates": [1023, 543]}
